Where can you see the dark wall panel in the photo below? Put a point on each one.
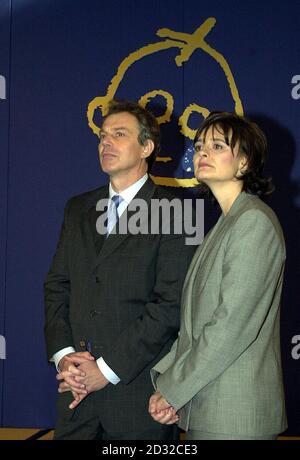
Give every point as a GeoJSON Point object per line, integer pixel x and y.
{"type": "Point", "coordinates": [64, 53]}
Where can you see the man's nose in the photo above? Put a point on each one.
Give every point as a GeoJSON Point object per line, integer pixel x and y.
{"type": "Point", "coordinates": [107, 140]}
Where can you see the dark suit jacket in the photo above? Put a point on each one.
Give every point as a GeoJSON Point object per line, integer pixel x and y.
{"type": "Point", "coordinates": [125, 300]}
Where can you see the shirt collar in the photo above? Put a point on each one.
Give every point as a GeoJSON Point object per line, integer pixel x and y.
{"type": "Point", "coordinates": [129, 193]}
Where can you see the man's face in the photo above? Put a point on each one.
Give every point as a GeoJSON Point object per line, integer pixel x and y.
{"type": "Point", "coordinates": [120, 152]}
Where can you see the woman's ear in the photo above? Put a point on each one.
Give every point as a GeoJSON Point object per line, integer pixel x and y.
{"type": "Point", "coordinates": [243, 165]}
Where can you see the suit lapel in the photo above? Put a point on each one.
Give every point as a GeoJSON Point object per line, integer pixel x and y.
{"type": "Point", "coordinates": [200, 254]}
{"type": "Point", "coordinates": [207, 255]}
{"type": "Point", "coordinates": [209, 243]}
{"type": "Point", "coordinates": [202, 265]}
{"type": "Point", "coordinates": [115, 240]}
{"type": "Point", "coordinates": [91, 238]}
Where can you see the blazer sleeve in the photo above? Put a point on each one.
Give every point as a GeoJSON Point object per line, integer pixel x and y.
{"type": "Point", "coordinates": [252, 267]}
{"type": "Point", "coordinates": [57, 329]}
{"type": "Point", "coordinates": [163, 364]}
{"type": "Point", "coordinates": [139, 344]}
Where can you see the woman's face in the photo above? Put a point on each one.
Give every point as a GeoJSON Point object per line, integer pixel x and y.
{"type": "Point", "coordinates": [214, 160]}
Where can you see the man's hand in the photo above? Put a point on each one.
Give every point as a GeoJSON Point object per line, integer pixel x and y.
{"type": "Point", "coordinates": [88, 379]}
{"type": "Point", "coordinates": [91, 376]}
{"type": "Point", "coordinates": [77, 358]}
{"type": "Point", "coordinates": [69, 369]}
{"type": "Point", "coordinates": [161, 411]}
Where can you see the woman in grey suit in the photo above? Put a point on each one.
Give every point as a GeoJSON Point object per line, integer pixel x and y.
{"type": "Point", "coordinates": [222, 378]}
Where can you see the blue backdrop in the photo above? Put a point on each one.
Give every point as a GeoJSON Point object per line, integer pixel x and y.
{"type": "Point", "coordinates": [60, 63]}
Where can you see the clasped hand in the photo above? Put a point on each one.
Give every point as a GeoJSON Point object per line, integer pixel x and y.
{"type": "Point", "coordinates": [80, 374]}
{"type": "Point", "coordinates": [161, 411]}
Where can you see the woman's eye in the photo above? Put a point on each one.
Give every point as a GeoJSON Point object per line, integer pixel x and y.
{"type": "Point", "coordinates": [198, 148]}
{"type": "Point", "coordinates": [218, 146]}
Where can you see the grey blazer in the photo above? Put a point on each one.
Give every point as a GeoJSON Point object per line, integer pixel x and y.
{"type": "Point", "coordinates": [224, 372]}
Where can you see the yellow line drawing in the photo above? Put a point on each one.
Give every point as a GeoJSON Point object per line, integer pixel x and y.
{"type": "Point", "coordinates": [187, 43]}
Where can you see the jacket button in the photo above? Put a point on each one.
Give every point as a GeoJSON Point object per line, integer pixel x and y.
{"type": "Point", "coordinates": [93, 313]}
{"type": "Point", "coordinates": [97, 279]}
{"type": "Point", "coordinates": [82, 343]}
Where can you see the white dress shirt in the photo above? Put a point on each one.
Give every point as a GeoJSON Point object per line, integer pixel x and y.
{"type": "Point", "coordinates": [128, 194]}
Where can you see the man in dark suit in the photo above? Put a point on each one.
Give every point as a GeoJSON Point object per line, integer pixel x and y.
{"type": "Point", "coordinates": [112, 300]}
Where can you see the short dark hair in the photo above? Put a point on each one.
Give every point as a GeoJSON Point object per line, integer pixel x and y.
{"type": "Point", "coordinates": [252, 144]}
{"type": "Point", "coordinates": [149, 127]}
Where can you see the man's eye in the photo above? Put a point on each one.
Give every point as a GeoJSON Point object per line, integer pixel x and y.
{"type": "Point", "coordinates": [119, 134]}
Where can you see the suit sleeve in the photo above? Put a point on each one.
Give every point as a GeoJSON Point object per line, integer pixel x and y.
{"type": "Point", "coordinates": [139, 344]}
{"type": "Point", "coordinates": [58, 333]}
{"type": "Point", "coordinates": [252, 266]}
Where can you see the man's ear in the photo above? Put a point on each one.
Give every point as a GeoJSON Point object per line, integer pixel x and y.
{"type": "Point", "coordinates": [148, 148]}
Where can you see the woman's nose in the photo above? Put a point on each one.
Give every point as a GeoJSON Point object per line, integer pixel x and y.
{"type": "Point", "coordinates": [203, 152]}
